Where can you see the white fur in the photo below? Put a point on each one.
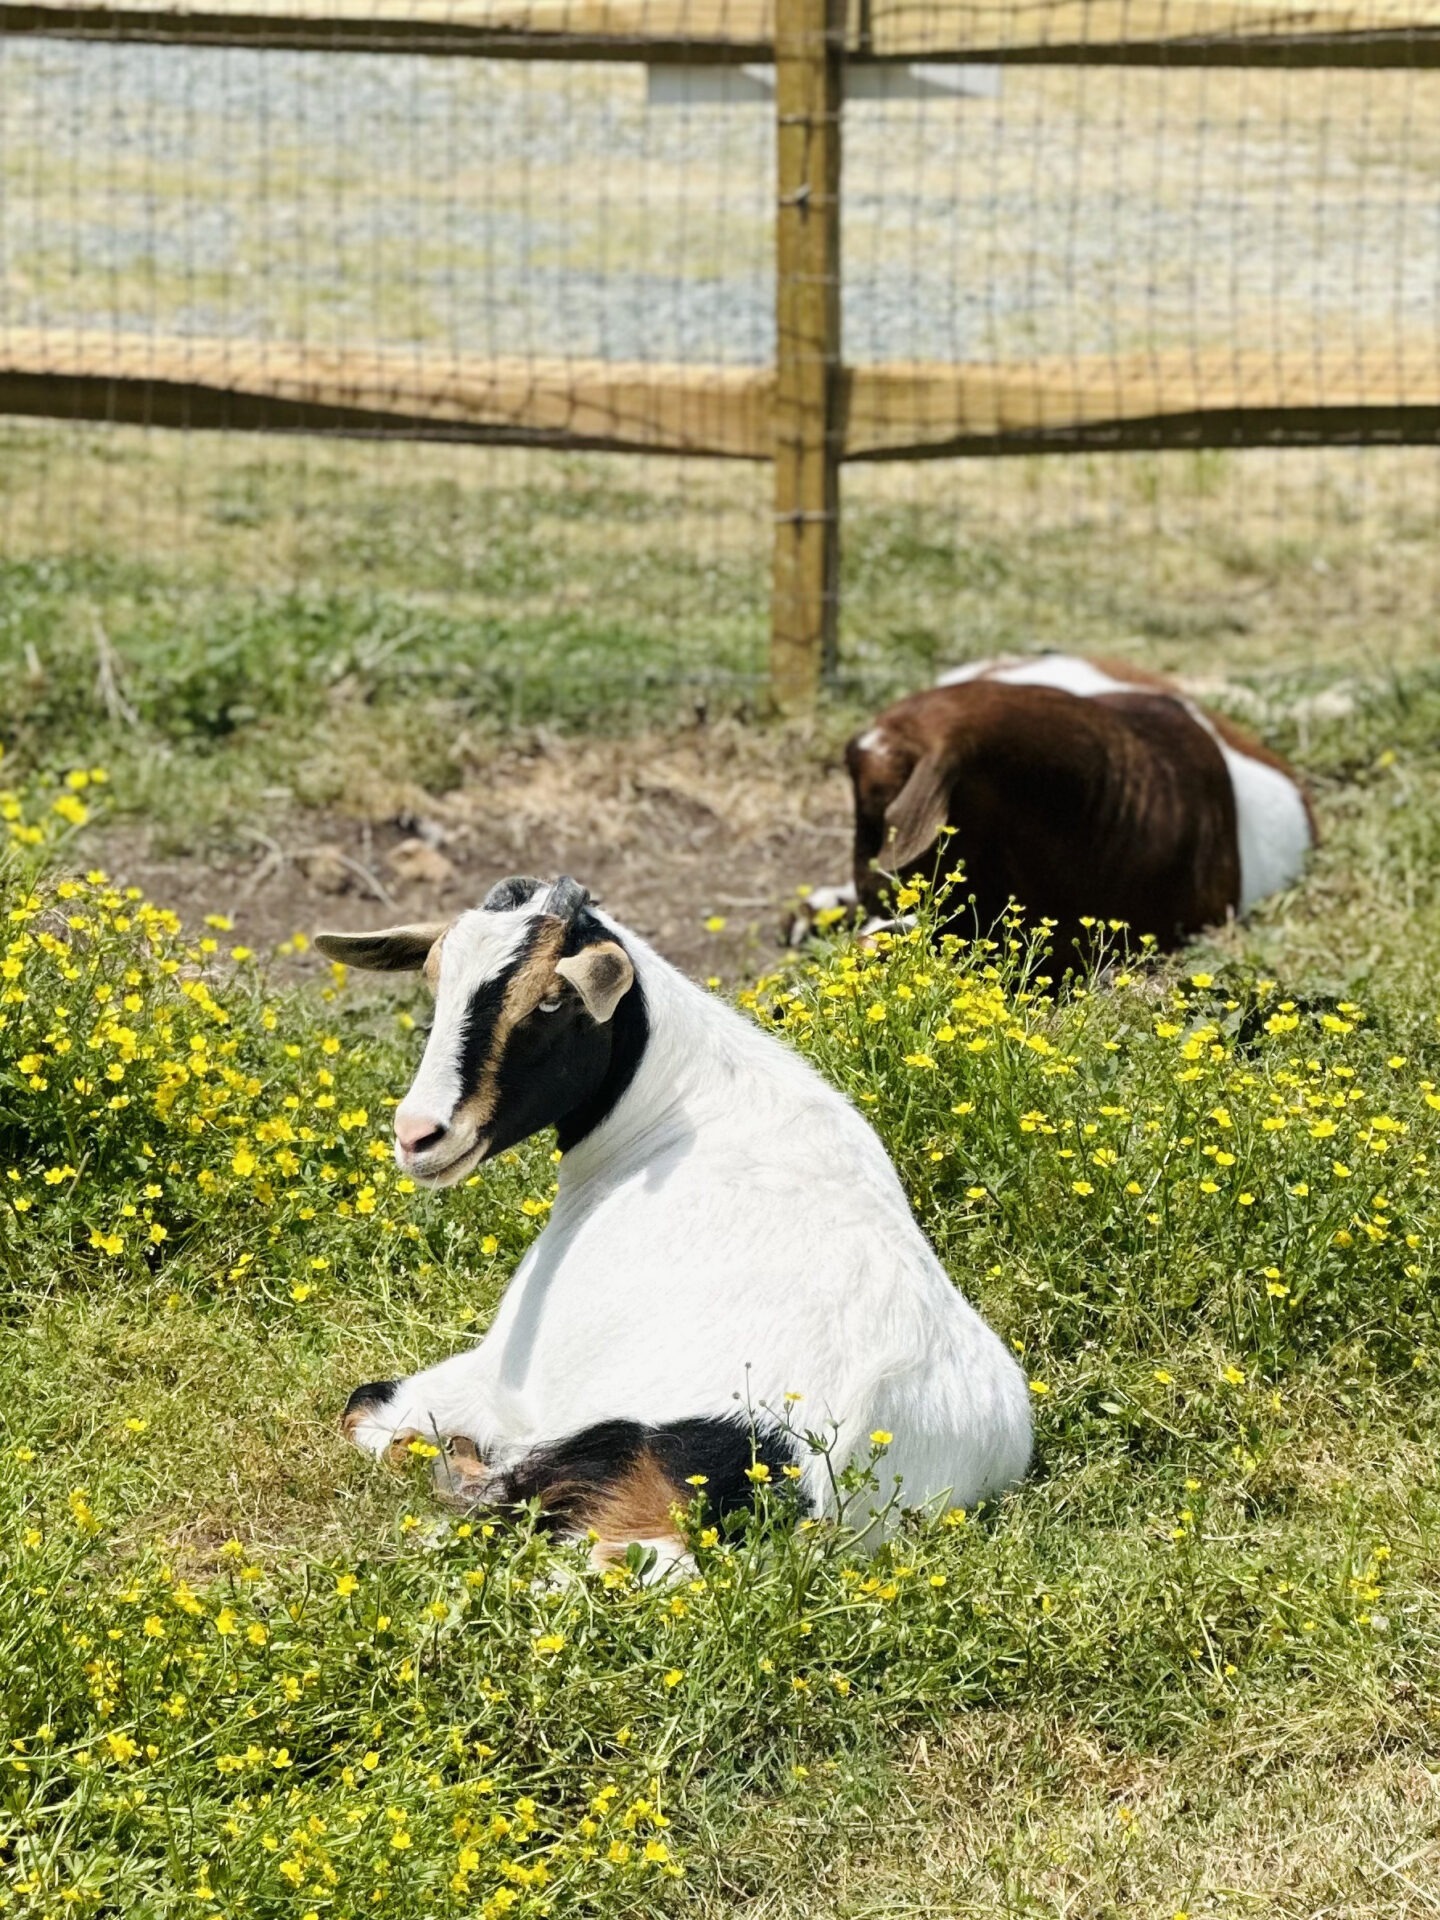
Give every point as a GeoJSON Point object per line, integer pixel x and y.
{"type": "Point", "coordinates": [732, 1232]}
{"type": "Point", "coordinates": [826, 899]}
{"type": "Point", "coordinates": [1067, 671]}
{"type": "Point", "coordinates": [1271, 824]}
{"type": "Point", "coordinates": [820, 900]}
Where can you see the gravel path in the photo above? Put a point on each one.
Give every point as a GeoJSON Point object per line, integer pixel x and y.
{"type": "Point", "coordinates": [504, 207]}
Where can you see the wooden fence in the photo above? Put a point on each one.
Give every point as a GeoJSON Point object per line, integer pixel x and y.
{"type": "Point", "coordinates": [809, 412]}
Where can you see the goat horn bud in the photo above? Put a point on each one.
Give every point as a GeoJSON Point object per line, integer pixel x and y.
{"type": "Point", "coordinates": [566, 899]}
{"type": "Point", "coordinates": [506, 895]}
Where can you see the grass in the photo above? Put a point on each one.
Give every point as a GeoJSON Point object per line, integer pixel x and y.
{"type": "Point", "coordinates": [1189, 1668]}
{"type": "Point", "coordinates": [239, 628]}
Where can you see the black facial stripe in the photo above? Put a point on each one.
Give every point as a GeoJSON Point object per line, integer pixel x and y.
{"type": "Point", "coordinates": [478, 1032]}
{"type": "Point", "coordinates": [487, 1003]}
{"type": "Point", "coordinates": [629, 1029]}
{"type": "Point", "coordinates": [558, 1068]}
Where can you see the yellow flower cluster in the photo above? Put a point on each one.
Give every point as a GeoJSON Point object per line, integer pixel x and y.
{"type": "Point", "coordinates": [247, 1681]}
{"type": "Point", "coordinates": [149, 1076]}
{"type": "Point", "coordinates": [1211, 1130]}
{"type": "Point", "coordinates": [31, 826]}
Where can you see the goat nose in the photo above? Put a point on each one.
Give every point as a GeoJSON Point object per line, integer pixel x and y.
{"type": "Point", "coordinates": [418, 1131]}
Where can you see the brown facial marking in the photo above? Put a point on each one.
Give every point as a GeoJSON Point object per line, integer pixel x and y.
{"type": "Point", "coordinates": [533, 980]}
{"type": "Point", "coordinates": [431, 968]}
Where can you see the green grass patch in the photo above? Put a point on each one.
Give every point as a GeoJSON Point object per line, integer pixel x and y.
{"type": "Point", "coordinates": [250, 1673]}
{"type": "Point", "coordinates": [239, 625]}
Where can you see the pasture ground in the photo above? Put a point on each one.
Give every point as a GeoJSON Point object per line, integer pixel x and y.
{"type": "Point", "coordinates": [1189, 1669]}
{"type": "Point", "coordinates": [530, 658]}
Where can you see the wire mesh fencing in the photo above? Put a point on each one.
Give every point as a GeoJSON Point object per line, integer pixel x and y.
{"type": "Point", "coordinates": [396, 251]}
{"type": "Point", "coordinates": [509, 348]}
{"type": "Point", "coordinates": [1241, 267]}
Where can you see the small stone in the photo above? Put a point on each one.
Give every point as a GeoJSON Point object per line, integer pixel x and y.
{"type": "Point", "coordinates": [326, 869]}
{"type": "Point", "coordinates": [417, 860]}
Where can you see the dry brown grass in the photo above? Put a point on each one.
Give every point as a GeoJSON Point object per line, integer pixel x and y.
{"type": "Point", "coordinates": [1001, 1817]}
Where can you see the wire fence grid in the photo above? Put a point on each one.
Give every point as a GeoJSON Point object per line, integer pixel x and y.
{"type": "Point", "coordinates": [513, 322]}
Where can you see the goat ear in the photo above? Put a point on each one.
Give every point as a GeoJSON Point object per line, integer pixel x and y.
{"type": "Point", "coordinates": [602, 975]}
{"type": "Point", "coordinates": [391, 950]}
{"type": "Point", "coordinates": [915, 816]}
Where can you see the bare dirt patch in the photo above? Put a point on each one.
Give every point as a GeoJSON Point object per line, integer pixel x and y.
{"type": "Point", "coordinates": [668, 831]}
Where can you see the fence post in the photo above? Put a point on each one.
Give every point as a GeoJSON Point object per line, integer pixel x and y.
{"type": "Point", "coordinates": [809, 84]}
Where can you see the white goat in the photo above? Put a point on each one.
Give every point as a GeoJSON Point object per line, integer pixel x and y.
{"type": "Point", "coordinates": [728, 1232]}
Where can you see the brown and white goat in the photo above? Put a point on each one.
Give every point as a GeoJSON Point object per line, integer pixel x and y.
{"type": "Point", "coordinates": [1077, 788]}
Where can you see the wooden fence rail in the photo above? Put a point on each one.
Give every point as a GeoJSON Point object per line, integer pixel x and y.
{"type": "Point", "coordinates": [810, 411]}
{"type": "Point", "coordinates": [890, 411]}
{"type": "Point", "coordinates": [737, 32]}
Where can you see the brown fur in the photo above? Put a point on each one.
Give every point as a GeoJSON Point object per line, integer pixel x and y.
{"type": "Point", "coordinates": [639, 1505]}
{"type": "Point", "coordinates": [1234, 735]}
{"type": "Point", "coordinates": [1118, 806]}
{"type": "Point", "coordinates": [639, 1502]}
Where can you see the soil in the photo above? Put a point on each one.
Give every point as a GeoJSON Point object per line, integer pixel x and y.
{"type": "Point", "coordinates": [669, 832]}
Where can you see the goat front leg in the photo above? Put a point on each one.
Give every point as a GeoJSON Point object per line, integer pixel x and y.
{"type": "Point", "coordinates": [443, 1403]}
{"type": "Point", "coordinates": [462, 1478]}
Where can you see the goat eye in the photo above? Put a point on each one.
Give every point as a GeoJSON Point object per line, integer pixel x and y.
{"type": "Point", "coordinates": [549, 1006]}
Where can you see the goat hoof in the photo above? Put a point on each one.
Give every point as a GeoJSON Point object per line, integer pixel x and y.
{"type": "Point", "coordinates": [460, 1476]}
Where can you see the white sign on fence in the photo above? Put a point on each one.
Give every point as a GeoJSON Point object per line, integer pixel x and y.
{"type": "Point", "coordinates": [704, 86]}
